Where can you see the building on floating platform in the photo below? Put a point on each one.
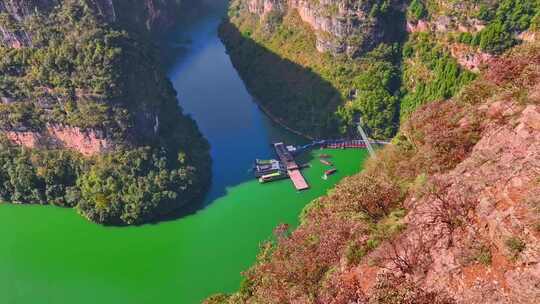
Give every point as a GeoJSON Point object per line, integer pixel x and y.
{"type": "Point", "coordinates": [285, 156]}
{"type": "Point", "coordinates": [285, 166]}
{"type": "Point", "coordinates": [266, 167]}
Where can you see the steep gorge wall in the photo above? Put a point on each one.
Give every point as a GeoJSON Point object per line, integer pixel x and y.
{"type": "Point", "coordinates": [341, 27]}
{"type": "Point", "coordinates": [147, 15]}
{"type": "Point", "coordinates": [86, 142]}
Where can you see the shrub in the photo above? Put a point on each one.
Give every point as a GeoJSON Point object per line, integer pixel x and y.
{"type": "Point", "coordinates": [417, 10]}
{"type": "Point", "coordinates": [483, 256]}
{"type": "Point", "coordinates": [515, 245]}
{"type": "Point", "coordinates": [446, 79]}
{"type": "Point", "coordinates": [510, 16]}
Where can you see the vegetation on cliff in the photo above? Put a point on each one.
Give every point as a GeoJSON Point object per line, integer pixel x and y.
{"type": "Point", "coordinates": [504, 20]}
{"type": "Point", "coordinates": [430, 73]}
{"type": "Point", "coordinates": [277, 52]}
{"type": "Point", "coordinates": [436, 197]}
{"type": "Point", "coordinates": [83, 72]}
{"type": "Point", "coordinates": [317, 94]}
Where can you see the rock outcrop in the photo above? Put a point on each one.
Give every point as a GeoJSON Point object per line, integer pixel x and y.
{"type": "Point", "coordinates": [469, 58]}
{"type": "Point", "coordinates": [494, 192]}
{"type": "Point", "coordinates": [341, 27]}
{"type": "Point", "coordinates": [86, 142]}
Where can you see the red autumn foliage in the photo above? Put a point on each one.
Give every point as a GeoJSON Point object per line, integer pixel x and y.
{"type": "Point", "coordinates": [394, 289]}
{"type": "Point", "coordinates": [310, 265]}
{"type": "Point", "coordinates": [443, 134]}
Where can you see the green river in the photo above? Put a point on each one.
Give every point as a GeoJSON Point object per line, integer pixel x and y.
{"type": "Point", "coordinates": [52, 255]}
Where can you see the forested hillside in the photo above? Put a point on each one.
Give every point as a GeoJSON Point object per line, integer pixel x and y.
{"type": "Point", "coordinates": [330, 61]}
{"type": "Point", "coordinates": [88, 119]}
{"type": "Point", "coordinates": [317, 66]}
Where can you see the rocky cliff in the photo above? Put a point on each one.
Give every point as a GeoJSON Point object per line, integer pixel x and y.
{"type": "Point", "coordinates": [341, 27]}
{"type": "Point", "coordinates": [438, 46]}
{"type": "Point", "coordinates": [324, 51]}
{"type": "Point", "coordinates": [449, 213]}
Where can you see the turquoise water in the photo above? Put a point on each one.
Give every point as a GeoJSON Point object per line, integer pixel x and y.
{"type": "Point", "coordinates": [52, 255]}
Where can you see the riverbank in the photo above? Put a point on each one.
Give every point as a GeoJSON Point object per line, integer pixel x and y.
{"type": "Point", "coordinates": [280, 121]}
{"type": "Point", "coordinates": [170, 262]}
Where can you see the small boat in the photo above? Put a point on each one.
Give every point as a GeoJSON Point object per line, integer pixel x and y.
{"type": "Point", "coordinates": [325, 156]}
{"type": "Point", "coordinates": [324, 161]}
{"type": "Point", "coordinates": [328, 173]}
{"type": "Point", "coordinates": [272, 177]}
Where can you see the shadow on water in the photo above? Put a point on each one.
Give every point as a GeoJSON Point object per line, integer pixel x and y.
{"type": "Point", "coordinates": [294, 94]}
{"type": "Point", "coordinates": [214, 86]}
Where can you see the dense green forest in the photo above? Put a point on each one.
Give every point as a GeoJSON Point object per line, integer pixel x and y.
{"type": "Point", "coordinates": [504, 19]}
{"type": "Point", "coordinates": [318, 94]}
{"type": "Point", "coordinates": [87, 73]}
{"type": "Point", "coordinates": [433, 74]}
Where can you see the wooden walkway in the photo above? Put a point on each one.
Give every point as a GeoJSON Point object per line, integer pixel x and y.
{"type": "Point", "coordinates": [292, 167]}
{"type": "Point", "coordinates": [298, 179]}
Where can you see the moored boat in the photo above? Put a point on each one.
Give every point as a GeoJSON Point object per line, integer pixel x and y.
{"type": "Point", "coordinates": [328, 173]}
{"type": "Point", "coordinates": [272, 177]}
{"type": "Point", "coordinates": [324, 161]}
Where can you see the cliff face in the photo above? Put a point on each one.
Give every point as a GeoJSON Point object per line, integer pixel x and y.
{"type": "Point", "coordinates": [87, 142]}
{"type": "Point", "coordinates": [439, 46]}
{"type": "Point", "coordinates": [341, 27]}
{"type": "Point", "coordinates": [323, 51]}
{"type": "Point", "coordinates": [449, 213]}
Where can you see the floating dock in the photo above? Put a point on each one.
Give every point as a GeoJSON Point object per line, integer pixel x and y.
{"type": "Point", "coordinates": [293, 169]}
{"type": "Point", "coordinates": [285, 166]}
{"type": "Point", "coordinates": [359, 144]}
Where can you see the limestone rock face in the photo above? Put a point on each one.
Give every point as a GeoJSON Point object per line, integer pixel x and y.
{"type": "Point", "coordinates": [499, 183]}
{"type": "Point", "coordinates": [341, 26]}
{"type": "Point", "coordinates": [86, 142]}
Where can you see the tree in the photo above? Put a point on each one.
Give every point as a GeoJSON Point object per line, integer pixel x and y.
{"type": "Point", "coordinates": [417, 10]}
